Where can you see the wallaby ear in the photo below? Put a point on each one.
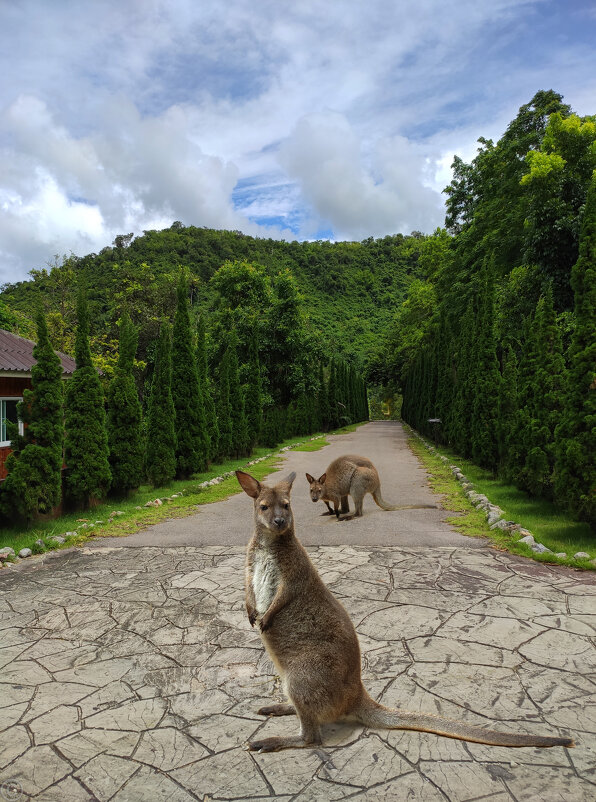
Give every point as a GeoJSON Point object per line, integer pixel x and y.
{"type": "Point", "coordinates": [310, 478]}
{"type": "Point", "coordinates": [322, 478]}
{"type": "Point", "coordinates": [249, 484]}
{"type": "Point", "coordinates": [290, 479]}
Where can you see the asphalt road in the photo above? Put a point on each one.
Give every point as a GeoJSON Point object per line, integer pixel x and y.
{"type": "Point", "coordinates": [403, 481]}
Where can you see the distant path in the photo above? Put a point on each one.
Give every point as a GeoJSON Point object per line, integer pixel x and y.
{"type": "Point", "coordinates": [403, 481]}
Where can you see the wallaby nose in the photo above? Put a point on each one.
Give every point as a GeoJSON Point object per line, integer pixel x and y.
{"type": "Point", "coordinates": [279, 522]}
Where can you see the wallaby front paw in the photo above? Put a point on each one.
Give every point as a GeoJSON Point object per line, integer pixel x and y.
{"type": "Point", "coordinates": [252, 617]}
{"type": "Point", "coordinates": [265, 623]}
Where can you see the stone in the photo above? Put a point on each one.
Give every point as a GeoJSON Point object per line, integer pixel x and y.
{"type": "Point", "coordinates": [581, 555]}
{"type": "Point", "coordinates": [540, 548]}
{"type": "Point", "coordinates": [25, 553]}
{"type": "Point", "coordinates": [6, 553]}
{"type": "Point", "coordinates": [529, 539]}
{"type": "Point", "coordinates": [563, 555]}
{"type": "Point", "coordinates": [98, 522]}
{"type": "Point", "coordinates": [40, 544]}
{"type": "Point", "coordinates": [138, 508]}
{"type": "Point", "coordinates": [492, 517]}
{"type": "Point", "coordinates": [72, 534]}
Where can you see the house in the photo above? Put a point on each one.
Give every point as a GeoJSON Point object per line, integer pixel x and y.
{"type": "Point", "coordinates": [16, 361]}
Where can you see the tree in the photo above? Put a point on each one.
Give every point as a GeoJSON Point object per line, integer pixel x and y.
{"type": "Point", "coordinates": [191, 426]}
{"type": "Point", "coordinates": [575, 469]}
{"type": "Point", "coordinates": [160, 458]}
{"type": "Point", "coordinates": [486, 381]}
{"type": "Point", "coordinates": [86, 446]}
{"type": "Point", "coordinates": [224, 409]}
{"type": "Point", "coordinates": [211, 427]}
{"type": "Point", "coordinates": [33, 486]}
{"type": "Point", "coordinates": [240, 435]}
{"type": "Point", "coordinates": [545, 399]}
{"type": "Point", "coordinates": [124, 422]}
{"type": "Point", "coordinates": [254, 395]}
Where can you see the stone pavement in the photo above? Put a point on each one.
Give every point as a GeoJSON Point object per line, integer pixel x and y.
{"type": "Point", "coordinates": [132, 674]}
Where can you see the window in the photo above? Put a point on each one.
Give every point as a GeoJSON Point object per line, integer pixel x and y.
{"type": "Point", "coordinates": [8, 413]}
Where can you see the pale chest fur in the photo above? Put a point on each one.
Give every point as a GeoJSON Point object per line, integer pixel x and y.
{"type": "Point", "coordinates": [265, 578]}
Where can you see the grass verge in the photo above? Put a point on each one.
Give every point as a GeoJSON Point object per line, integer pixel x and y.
{"type": "Point", "coordinates": [547, 523]}
{"type": "Point", "coordinates": [133, 515]}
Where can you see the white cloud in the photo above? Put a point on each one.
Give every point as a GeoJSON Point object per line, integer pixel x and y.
{"type": "Point", "coordinates": [121, 115]}
{"type": "Point", "coordinates": [358, 199]}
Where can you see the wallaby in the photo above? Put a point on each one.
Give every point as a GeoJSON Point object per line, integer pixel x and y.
{"type": "Point", "coordinates": [312, 641]}
{"type": "Point", "coordinates": [354, 476]}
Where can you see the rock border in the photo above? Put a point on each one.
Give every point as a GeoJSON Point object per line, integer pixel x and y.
{"type": "Point", "coordinates": [7, 554]}
{"type": "Point", "coordinates": [494, 514]}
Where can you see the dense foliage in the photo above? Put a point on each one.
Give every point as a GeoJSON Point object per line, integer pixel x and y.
{"type": "Point", "coordinates": [499, 341]}
{"type": "Point", "coordinates": [161, 430]}
{"type": "Point", "coordinates": [33, 485]}
{"type": "Point", "coordinates": [124, 422]}
{"type": "Point", "coordinates": [86, 450]}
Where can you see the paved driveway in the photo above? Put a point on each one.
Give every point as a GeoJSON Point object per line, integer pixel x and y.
{"type": "Point", "coordinates": [132, 674]}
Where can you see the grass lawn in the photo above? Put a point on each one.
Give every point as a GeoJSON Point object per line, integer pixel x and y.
{"type": "Point", "coordinates": [549, 525]}
{"type": "Point", "coordinates": [132, 519]}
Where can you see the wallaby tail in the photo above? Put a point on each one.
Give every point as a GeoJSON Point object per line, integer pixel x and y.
{"type": "Point", "coordinates": [384, 506]}
{"type": "Point", "coordinates": [372, 714]}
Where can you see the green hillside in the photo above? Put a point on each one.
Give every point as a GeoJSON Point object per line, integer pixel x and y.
{"type": "Point", "coordinates": [350, 290]}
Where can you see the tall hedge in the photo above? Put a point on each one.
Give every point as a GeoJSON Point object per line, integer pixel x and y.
{"type": "Point", "coordinates": [86, 446]}
{"type": "Point", "coordinates": [254, 394]}
{"type": "Point", "coordinates": [33, 485]}
{"type": "Point", "coordinates": [240, 435]}
{"type": "Point", "coordinates": [192, 446]}
{"type": "Point", "coordinates": [211, 425]}
{"type": "Point", "coordinates": [124, 423]}
{"type": "Point", "coordinates": [160, 457]}
{"type": "Point", "coordinates": [575, 469]}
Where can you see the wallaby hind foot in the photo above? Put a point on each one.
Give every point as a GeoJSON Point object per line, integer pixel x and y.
{"type": "Point", "coordinates": [277, 710]}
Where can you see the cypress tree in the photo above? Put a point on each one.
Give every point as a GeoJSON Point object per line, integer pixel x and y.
{"type": "Point", "coordinates": [124, 422]}
{"type": "Point", "coordinates": [458, 421]}
{"type": "Point", "coordinates": [191, 427]}
{"type": "Point", "coordinates": [240, 436]}
{"type": "Point", "coordinates": [205, 387]}
{"type": "Point", "coordinates": [546, 402]}
{"type": "Point", "coordinates": [525, 403]}
{"type": "Point", "coordinates": [224, 410]}
{"type": "Point", "coordinates": [160, 457]}
{"type": "Point", "coordinates": [332, 397]}
{"type": "Point", "coordinates": [323, 400]}
{"type": "Point", "coordinates": [33, 486]}
{"type": "Point", "coordinates": [86, 446]}
{"type": "Point", "coordinates": [575, 471]}
{"type": "Point", "coordinates": [486, 381]}
{"type": "Point", "coordinates": [507, 409]}
{"type": "Point", "coordinates": [254, 395]}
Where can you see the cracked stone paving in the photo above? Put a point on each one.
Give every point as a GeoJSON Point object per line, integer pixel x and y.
{"type": "Point", "coordinates": [133, 674]}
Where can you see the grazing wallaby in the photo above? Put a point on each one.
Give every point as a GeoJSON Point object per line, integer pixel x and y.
{"type": "Point", "coordinates": [354, 476]}
{"type": "Point", "coordinates": [313, 643]}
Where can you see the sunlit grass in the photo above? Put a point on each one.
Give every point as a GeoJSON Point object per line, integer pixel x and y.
{"type": "Point", "coordinates": [133, 519]}
{"type": "Point", "coordinates": [549, 525]}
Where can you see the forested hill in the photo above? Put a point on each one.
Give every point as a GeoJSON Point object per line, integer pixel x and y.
{"type": "Point", "coordinates": [350, 290]}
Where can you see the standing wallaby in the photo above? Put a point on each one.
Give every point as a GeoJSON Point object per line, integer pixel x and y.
{"type": "Point", "coordinates": [313, 643]}
{"type": "Point", "coordinates": [354, 476]}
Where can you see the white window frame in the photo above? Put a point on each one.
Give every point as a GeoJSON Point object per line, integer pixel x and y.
{"type": "Point", "coordinates": [4, 443]}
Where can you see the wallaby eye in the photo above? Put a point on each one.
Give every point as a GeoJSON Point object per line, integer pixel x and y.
{"type": "Point", "coordinates": [286, 506]}
{"type": "Point", "coordinates": [264, 507]}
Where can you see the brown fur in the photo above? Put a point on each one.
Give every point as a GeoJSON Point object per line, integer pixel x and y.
{"type": "Point", "coordinates": [354, 476]}
{"type": "Point", "coordinates": [313, 643]}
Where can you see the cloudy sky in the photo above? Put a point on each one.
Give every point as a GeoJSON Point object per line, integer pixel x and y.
{"type": "Point", "coordinates": [300, 120]}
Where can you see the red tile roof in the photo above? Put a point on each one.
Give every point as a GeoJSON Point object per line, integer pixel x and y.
{"type": "Point", "coordinates": [16, 354]}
